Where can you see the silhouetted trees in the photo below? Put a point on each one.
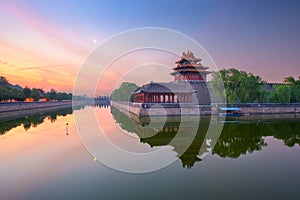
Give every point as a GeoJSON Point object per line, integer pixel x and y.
{"type": "Point", "coordinates": [9, 91]}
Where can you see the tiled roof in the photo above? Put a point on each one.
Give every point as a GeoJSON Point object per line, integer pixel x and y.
{"type": "Point", "coordinates": [191, 70]}
{"type": "Point", "coordinates": [171, 87]}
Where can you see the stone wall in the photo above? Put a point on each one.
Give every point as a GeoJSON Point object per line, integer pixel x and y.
{"type": "Point", "coordinates": [157, 110]}
{"type": "Point", "coordinates": [251, 109]}
{"type": "Point", "coordinates": [16, 106]}
{"type": "Point", "coordinates": [202, 92]}
{"type": "Point", "coordinates": [267, 108]}
{"type": "Point", "coordinates": [270, 110]}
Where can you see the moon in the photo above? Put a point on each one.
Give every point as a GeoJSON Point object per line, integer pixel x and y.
{"type": "Point", "coordinates": [95, 41]}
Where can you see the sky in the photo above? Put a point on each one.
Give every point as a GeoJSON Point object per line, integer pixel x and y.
{"type": "Point", "coordinates": [44, 43]}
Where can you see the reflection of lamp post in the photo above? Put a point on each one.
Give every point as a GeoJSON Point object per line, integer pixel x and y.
{"type": "Point", "coordinates": [67, 124]}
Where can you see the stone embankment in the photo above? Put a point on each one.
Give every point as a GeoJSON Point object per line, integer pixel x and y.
{"type": "Point", "coordinates": [16, 106]}
{"type": "Point", "coordinates": [267, 108]}
{"type": "Point", "coordinates": [15, 110]}
{"type": "Point", "coordinates": [146, 109]}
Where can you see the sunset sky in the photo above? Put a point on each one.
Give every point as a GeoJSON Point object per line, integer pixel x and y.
{"type": "Point", "coordinates": [43, 43]}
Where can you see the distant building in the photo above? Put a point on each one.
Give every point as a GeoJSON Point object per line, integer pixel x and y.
{"type": "Point", "coordinates": [44, 99]}
{"type": "Point", "coordinates": [29, 100]}
{"type": "Point", "coordinates": [189, 85]}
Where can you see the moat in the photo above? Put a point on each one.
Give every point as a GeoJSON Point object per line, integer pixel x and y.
{"type": "Point", "coordinates": [253, 158]}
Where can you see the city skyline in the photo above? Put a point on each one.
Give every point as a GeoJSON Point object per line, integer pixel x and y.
{"type": "Point", "coordinates": [43, 44]}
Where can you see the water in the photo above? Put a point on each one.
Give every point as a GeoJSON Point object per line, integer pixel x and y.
{"type": "Point", "coordinates": [253, 159]}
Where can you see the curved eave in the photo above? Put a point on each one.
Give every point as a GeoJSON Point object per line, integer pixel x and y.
{"type": "Point", "coordinates": [197, 71]}
{"type": "Point", "coordinates": [191, 67]}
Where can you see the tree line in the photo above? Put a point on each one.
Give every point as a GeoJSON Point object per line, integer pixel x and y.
{"type": "Point", "coordinates": [236, 86]}
{"type": "Point", "coordinates": [8, 92]}
{"type": "Point", "coordinates": [124, 92]}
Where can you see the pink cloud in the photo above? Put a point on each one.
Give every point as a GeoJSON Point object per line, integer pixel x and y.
{"type": "Point", "coordinates": [47, 29]}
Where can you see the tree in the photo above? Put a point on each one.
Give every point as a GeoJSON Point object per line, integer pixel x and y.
{"type": "Point", "coordinates": [264, 95]}
{"type": "Point", "coordinates": [52, 94]}
{"type": "Point", "coordinates": [289, 79]}
{"type": "Point", "coordinates": [124, 92]}
{"type": "Point", "coordinates": [3, 81]}
{"type": "Point", "coordinates": [282, 93]}
{"type": "Point", "coordinates": [27, 92]}
{"type": "Point", "coordinates": [35, 94]}
{"type": "Point", "coordinates": [217, 85]}
{"type": "Point", "coordinates": [239, 86]}
{"type": "Point", "coordinates": [295, 88]}
{"type": "Point", "coordinates": [63, 96]}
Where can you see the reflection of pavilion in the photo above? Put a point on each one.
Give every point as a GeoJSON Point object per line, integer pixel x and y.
{"type": "Point", "coordinates": [185, 137]}
{"type": "Point", "coordinates": [236, 139]}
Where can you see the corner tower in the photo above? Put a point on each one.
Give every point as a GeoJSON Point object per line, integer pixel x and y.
{"type": "Point", "coordinates": [189, 68]}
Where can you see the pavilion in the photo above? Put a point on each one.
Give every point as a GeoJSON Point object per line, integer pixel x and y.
{"type": "Point", "coordinates": [189, 81]}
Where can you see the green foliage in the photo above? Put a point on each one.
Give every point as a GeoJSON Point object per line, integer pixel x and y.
{"type": "Point", "coordinates": [264, 95]}
{"type": "Point", "coordinates": [3, 81]}
{"type": "Point", "coordinates": [35, 94]}
{"type": "Point", "coordinates": [289, 79]}
{"type": "Point", "coordinates": [295, 88]}
{"type": "Point", "coordinates": [9, 91]}
{"type": "Point", "coordinates": [282, 94]}
{"type": "Point", "coordinates": [218, 86]}
{"type": "Point", "coordinates": [27, 92]}
{"type": "Point", "coordinates": [63, 96]}
{"type": "Point", "coordinates": [52, 94]}
{"type": "Point", "coordinates": [124, 92]}
{"type": "Point", "coordinates": [238, 86]}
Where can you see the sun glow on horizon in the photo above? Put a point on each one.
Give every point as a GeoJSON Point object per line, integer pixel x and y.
{"type": "Point", "coordinates": [44, 43]}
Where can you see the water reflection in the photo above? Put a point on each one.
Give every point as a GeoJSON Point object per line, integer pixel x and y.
{"type": "Point", "coordinates": [98, 105]}
{"type": "Point", "coordinates": [161, 134]}
{"type": "Point", "coordinates": [240, 138]}
{"type": "Point", "coordinates": [33, 119]}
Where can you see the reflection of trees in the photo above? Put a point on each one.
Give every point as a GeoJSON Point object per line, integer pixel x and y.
{"type": "Point", "coordinates": [187, 145]}
{"type": "Point", "coordinates": [289, 133]}
{"type": "Point", "coordinates": [242, 138]}
{"type": "Point", "coordinates": [236, 139]}
{"type": "Point", "coordinates": [32, 120]}
{"type": "Point", "coordinates": [52, 117]}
